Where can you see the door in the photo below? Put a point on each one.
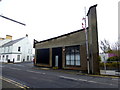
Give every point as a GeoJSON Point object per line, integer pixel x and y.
{"type": "Point", "coordinates": [57, 57]}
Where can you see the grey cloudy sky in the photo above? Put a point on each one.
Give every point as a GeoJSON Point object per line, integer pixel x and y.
{"type": "Point", "coordinates": [45, 19]}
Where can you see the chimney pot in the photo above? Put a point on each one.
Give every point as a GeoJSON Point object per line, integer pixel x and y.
{"type": "Point", "coordinates": [9, 37]}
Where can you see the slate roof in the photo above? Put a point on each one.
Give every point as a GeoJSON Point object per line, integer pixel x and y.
{"type": "Point", "coordinates": [12, 42]}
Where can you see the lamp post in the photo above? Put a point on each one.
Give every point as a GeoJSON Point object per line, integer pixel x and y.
{"type": "Point", "coordinates": [104, 63]}
{"type": "Point", "coordinates": [12, 20]}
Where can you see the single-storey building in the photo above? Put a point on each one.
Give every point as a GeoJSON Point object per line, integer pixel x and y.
{"type": "Point", "coordinates": [63, 51]}
{"type": "Point", "coordinates": [69, 51]}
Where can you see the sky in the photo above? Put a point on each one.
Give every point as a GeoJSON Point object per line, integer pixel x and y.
{"type": "Point", "coordinates": [45, 19]}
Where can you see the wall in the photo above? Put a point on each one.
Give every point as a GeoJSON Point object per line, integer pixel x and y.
{"type": "Point", "coordinates": [26, 48]}
{"type": "Point", "coordinates": [77, 38]}
{"type": "Point", "coordinates": [72, 39]}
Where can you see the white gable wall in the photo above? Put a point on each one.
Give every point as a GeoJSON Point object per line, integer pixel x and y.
{"type": "Point", "coordinates": [25, 49]}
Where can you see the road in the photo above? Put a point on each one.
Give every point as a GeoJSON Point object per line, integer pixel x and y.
{"type": "Point", "coordinates": [26, 75]}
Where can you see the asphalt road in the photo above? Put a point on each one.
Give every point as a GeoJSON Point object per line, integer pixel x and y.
{"type": "Point", "coordinates": [26, 75]}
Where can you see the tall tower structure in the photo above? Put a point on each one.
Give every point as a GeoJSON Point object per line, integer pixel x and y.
{"type": "Point", "coordinates": [93, 41]}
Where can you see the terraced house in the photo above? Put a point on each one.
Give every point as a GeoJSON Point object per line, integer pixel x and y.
{"type": "Point", "coordinates": [68, 51]}
{"type": "Point", "coordinates": [15, 51]}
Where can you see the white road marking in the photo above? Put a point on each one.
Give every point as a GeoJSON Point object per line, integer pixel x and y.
{"type": "Point", "coordinates": [18, 65]}
{"type": "Point", "coordinates": [35, 72]}
{"type": "Point", "coordinates": [84, 80]}
{"type": "Point", "coordinates": [115, 79]}
{"type": "Point", "coordinates": [15, 68]}
{"type": "Point", "coordinates": [68, 77]}
{"type": "Point", "coordinates": [92, 81]}
{"type": "Point", "coordinates": [14, 82]}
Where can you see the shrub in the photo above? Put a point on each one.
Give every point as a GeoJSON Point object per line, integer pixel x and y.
{"type": "Point", "coordinates": [114, 58]}
{"type": "Point", "coordinates": [55, 67]}
{"type": "Point", "coordinates": [99, 58]}
{"type": "Point", "coordinates": [110, 64]}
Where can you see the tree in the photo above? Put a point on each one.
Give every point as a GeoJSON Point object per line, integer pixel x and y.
{"type": "Point", "coordinates": [115, 49]}
{"type": "Point", "coordinates": [105, 46]}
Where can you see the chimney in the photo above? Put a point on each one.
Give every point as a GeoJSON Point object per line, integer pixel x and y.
{"type": "Point", "coordinates": [26, 35]}
{"type": "Point", "coordinates": [9, 37]}
{"type": "Point", "coordinates": [1, 38]}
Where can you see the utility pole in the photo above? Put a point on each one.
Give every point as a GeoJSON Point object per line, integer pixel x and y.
{"type": "Point", "coordinates": [86, 35]}
{"type": "Point", "coordinates": [12, 20]}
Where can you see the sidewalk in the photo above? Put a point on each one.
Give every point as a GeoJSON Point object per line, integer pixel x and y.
{"type": "Point", "coordinates": [109, 72]}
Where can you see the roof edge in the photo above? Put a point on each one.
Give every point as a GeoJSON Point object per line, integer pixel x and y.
{"type": "Point", "coordinates": [91, 7]}
{"type": "Point", "coordinates": [60, 36]}
{"type": "Point", "coordinates": [10, 43]}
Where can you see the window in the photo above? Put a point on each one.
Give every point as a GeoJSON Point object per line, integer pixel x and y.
{"type": "Point", "coordinates": [73, 56]}
{"type": "Point", "coordinates": [18, 57]}
{"type": "Point", "coordinates": [27, 58]}
{"type": "Point", "coordinates": [19, 48]}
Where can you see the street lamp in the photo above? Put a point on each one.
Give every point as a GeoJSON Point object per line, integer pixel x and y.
{"type": "Point", "coordinates": [86, 37]}
{"type": "Point", "coordinates": [12, 20]}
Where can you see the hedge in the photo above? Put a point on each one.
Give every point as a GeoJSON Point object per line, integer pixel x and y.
{"type": "Point", "coordinates": [114, 58]}
{"type": "Point", "coordinates": [110, 64]}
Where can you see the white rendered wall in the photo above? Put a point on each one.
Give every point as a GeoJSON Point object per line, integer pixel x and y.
{"type": "Point", "coordinates": [26, 48]}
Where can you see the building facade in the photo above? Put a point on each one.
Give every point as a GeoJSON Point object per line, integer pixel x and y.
{"type": "Point", "coordinates": [15, 51]}
{"type": "Point", "coordinates": [68, 51]}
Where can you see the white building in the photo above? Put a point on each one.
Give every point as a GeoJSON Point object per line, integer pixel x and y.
{"type": "Point", "coordinates": [18, 50]}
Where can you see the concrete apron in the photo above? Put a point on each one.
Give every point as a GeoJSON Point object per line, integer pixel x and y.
{"type": "Point", "coordinates": [109, 72]}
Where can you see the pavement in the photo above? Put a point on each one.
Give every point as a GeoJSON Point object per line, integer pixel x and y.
{"type": "Point", "coordinates": [103, 73]}
{"type": "Point", "coordinates": [109, 72]}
